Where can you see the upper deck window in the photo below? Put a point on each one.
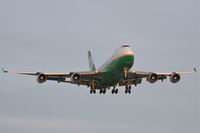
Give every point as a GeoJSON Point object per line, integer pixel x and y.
{"type": "Point", "coordinates": [125, 46]}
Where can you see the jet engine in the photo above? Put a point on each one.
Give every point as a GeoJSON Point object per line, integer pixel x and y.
{"type": "Point", "coordinates": [174, 78]}
{"type": "Point", "coordinates": [41, 78]}
{"type": "Point", "coordinates": [152, 78]}
{"type": "Point", "coordinates": [75, 77]}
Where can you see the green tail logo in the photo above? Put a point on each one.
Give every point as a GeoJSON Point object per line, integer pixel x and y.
{"type": "Point", "coordinates": [91, 62]}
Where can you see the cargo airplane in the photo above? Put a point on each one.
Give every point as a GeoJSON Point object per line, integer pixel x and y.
{"type": "Point", "coordinates": [115, 72]}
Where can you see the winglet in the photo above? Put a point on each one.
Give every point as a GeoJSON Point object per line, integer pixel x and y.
{"type": "Point", "coordinates": [4, 70]}
{"type": "Point", "coordinates": [195, 70]}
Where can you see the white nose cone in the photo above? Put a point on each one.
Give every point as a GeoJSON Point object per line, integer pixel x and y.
{"type": "Point", "coordinates": [125, 49]}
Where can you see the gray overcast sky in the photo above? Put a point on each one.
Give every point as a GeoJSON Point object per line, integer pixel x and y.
{"type": "Point", "coordinates": [54, 36]}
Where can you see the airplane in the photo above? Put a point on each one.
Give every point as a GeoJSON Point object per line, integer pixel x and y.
{"type": "Point", "coordinates": [115, 72]}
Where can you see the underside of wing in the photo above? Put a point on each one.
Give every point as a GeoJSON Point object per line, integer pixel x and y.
{"type": "Point", "coordinates": [85, 78]}
{"type": "Point", "coordinates": [137, 76]}
{"type": "Point", "coordinates": [80, 78]}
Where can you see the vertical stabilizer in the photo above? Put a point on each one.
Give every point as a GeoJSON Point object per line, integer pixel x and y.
{"type": "Point", "coordinates": [91, 62]}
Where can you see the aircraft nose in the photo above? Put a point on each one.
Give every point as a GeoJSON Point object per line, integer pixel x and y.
{"type": "Point", "coordinates": [126, 49]}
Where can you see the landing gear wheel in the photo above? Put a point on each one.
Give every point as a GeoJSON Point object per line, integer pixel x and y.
{"type": "Point", "coordinates": [92, 91]}
{"type": "Point", "coordinates": [100, 91]}
{"type": "Point", "coordinates": [104, 91]}
{"type": "Point", "coordinates": [126, 87]}
{"type": "Point", "coordinates": [116, 91]}
{"type": "Point", "coordinates": [129, 87]}
{"type": "Point", "coordinates": [113, 91]}
{"type": "Point", "coordinates": [129, 91]}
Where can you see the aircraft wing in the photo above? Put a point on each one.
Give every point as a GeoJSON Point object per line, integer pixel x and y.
{"type": "Point", "coordinates": [74, 77]}
{"type": "Point", "coordinates": [142, 74]}
{"type": "Point", "coordinates": [135, 77]}
{"type": "Point", "coordinates": [35, 73]}
{"type": "Point", "coordinates": [89, 78]}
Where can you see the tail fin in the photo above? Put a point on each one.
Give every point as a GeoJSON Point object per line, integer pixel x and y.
{"type": "Point", "coordinates": [91, 62]}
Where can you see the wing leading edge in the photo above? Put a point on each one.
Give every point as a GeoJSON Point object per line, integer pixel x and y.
{"type": "Point", "coordinates": [80, 78]}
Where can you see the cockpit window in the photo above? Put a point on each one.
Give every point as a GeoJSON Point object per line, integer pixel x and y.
{"type": "Point", "coordinates": [125, 46]}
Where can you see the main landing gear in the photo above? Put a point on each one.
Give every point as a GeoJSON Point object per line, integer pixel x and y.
{"type": "Point", "coordinates": [114, 91]}
{"type": "Point", "coordinates": [128, 90]}
{"type": "Point", "coordinates": [103, 91]}
{"type": "Point", "coordinates": [92, 91]}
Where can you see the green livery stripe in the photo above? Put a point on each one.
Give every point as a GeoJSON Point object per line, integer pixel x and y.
{"type": "Point", "coordinates": [115, 70]}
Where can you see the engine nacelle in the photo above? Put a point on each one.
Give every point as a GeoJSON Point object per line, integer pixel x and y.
{"type": "Point", "coordinates": [174, 78]}
{"type": "Point", "coordinates": [41, 78]}
{"type": "Point", "coordinates": [76, 78]}
{"type": "Point", "coordinates": [152, 78]}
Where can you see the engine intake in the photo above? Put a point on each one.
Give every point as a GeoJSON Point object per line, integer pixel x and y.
{"type": "Point", "coordinates": [41, 78]}
{"type": "Point", "coordinates": [174, 78]}
{"type": "Point", "coordinates": [76, 78]}
{"type": "Point", "coordinates": [152, 78]}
